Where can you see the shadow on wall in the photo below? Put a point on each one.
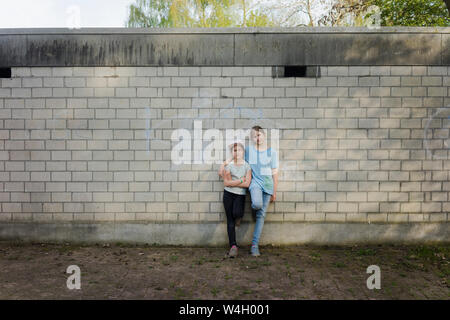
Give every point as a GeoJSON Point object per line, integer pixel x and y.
{"type": "Point", "coordinates": [341, 49]}
{"type": "Point", "coordinates": [352, 233]}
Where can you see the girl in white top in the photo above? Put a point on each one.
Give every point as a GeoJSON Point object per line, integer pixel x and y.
{"type": "Point", "coordinates": [237, 175]}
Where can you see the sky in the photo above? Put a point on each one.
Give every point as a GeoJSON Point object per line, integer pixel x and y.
{"type": "Point", "coordinates": [80, 13]}
{"type": "Point", "coordinates": [63, 13]}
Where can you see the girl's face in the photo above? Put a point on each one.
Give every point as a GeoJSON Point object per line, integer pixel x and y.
{"type": "Point", "coordinates": [258, 137]}
{"type": "Point", "coordinates": [237, 152]}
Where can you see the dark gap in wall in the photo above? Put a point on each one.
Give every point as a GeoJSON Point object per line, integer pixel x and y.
{"type": "Point", "coordinates": [5, 72]}
{"type": "Point", "coordinates": [296, 72]}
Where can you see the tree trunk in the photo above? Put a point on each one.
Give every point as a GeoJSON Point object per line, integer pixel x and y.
{"type": "Point", "coordinates": [308, 9]}
{"type": "Point", "coordinates": [447, 3]}
{"type": "Point", "coordinates": [245, 13]}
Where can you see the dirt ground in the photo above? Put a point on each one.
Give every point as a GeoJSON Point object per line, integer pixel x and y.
{"type": "Point", "coordinates": [119, 271]}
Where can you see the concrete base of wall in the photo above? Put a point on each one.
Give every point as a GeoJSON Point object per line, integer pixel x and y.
{"type": "Point", "coordinates": [214, 234]}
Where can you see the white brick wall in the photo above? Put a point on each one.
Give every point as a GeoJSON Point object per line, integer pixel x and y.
{"type": "Point", "coordinates": [93, 144]}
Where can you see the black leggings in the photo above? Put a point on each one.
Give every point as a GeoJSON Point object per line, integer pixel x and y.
{"type": "Point", "coordinates": [234, 209]}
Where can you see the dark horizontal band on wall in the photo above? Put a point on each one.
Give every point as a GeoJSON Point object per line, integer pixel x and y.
{"type": "Point", "coordinates": [225, 47]}
{"type": "Point", "coordinates": [215, 234]}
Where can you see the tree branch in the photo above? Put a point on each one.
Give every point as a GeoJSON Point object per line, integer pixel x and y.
{"type": "Point", "coordinates": [447, 3]}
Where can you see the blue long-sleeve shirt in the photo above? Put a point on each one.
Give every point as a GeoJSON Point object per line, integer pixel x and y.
{"type": "Point", "coordinates": [262, 163]}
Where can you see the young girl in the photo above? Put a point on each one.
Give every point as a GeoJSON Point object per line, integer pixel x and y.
{"type": "Point", "coordinates": [263, 188]}
{"type": "Point", "coordinates": [237, 176]}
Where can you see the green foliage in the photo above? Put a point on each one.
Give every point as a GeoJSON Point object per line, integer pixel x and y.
{"type": "Point", "coordinates": [420, 13]}
{"type": "Point", "coordinates": [194, 13]}
{"type": "Point", "coordinates": [149, 13]}
{"type": "Point", "coordinates": [259, 20]}
{"type": "Point", "coordinates": [246, 13]}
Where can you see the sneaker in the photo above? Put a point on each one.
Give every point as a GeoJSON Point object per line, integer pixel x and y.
{"type": "Point", "coordinates": [233, 252]}
{"type": "Point", "coordinates": [238, 222]}
{"type": "Point", "coordinates": [254, 251]}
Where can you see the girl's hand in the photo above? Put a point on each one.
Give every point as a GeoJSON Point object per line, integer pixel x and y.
{"type": "Point", "coordinates": [273, 198]}
{"type": "Point", "coordinates": [226, 178]}
{"type": "Point", "coordinates": [222, 167]}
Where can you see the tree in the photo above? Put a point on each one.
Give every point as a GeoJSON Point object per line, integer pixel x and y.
{"type": "Point", "coordinates": [347, 13]}
{"type": "Point", "coordinates": [422, 13]}
{"type": "Point", "coordinates": [392, 13]}
{"type": "Point", "coordinates": [287, 13]}
{"type": "Point", "coordinates": [293, 13]}
{"type": "Point", "coordinates": [250, 13]}
{"type": "Point", "coordinates": [196, 13]}
{"type": "Point", "coordinates": [447, 4]}
{"type": "Point", "coordinates": [149, 13]}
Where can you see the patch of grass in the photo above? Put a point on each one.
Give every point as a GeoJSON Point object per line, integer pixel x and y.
{"type": "Point", "coordinates": [339, 264]}
{"type": "Point", "coordinates": [265, 263]}
{"type": "Point", "coordinates": [214, 292]}
{"type": "Point", "coordinates": [247, 291]}
{"type": "Point", "coordinates": [228, 276]}
{"type": "Point", "coordinates": [429, 253]}
{"type": "Point", "coordinates": [315, 256]}
{"type": "Point", "coordinates": [408, 265]}
{"type": "Point", "coordinates": [351, 291]}
{"type": "Point", "coordinates": [67, 249]}
{"type": "Point", "coordinates": [174, 258]}
{"type": "Point", "coordinates": [200, 261]}
{"type": "Point", "coordinates": [366, 252]}
{"type": "Point", "coordinates": [180, 293]}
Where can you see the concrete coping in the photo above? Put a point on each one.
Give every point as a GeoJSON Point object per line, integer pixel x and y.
{"type": "Point", "coordinates": [308, 30]}
{"type": "Point", "coordinates": [312, 46]}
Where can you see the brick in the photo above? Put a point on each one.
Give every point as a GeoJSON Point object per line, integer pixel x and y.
{"type": "Point", "coordinates": [380, 71]}
{"type": "Point", "coordinates": [433, 70]}
{"type": "Point", "coordinates": [338, 71]}
{"type": "Point", "coordinates": [41, 72]}
{"type": "Point", "coordinates": [189, 71]}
